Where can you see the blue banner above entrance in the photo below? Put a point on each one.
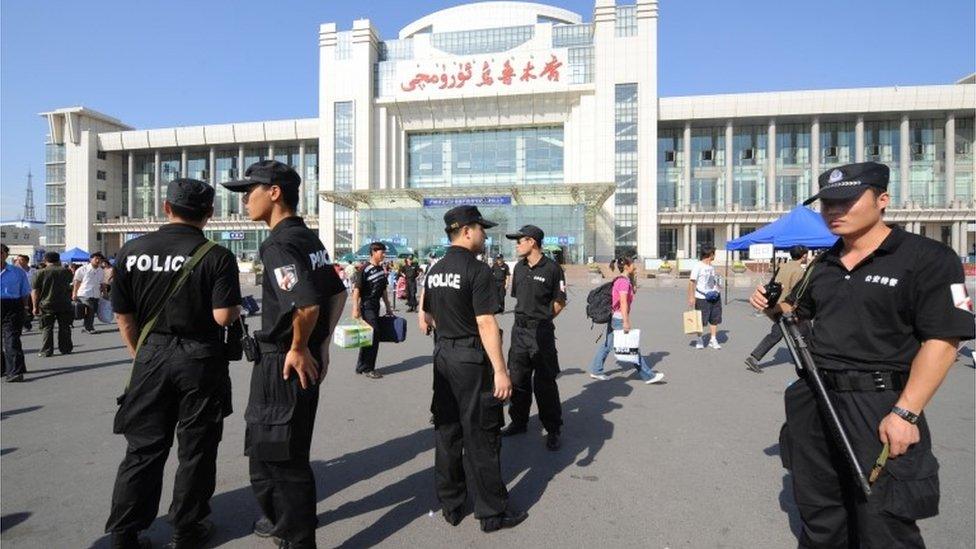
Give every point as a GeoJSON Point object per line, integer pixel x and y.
{"type": "Point", "coordinates": [470, 200]}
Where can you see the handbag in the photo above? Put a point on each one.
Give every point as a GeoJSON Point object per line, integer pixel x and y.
{"type": "Point", "coordinates": [626, 346]}
{"type": "Point", "coordinates": [712, 296]}
{"type": "Point", "coordinates": [692, 321]}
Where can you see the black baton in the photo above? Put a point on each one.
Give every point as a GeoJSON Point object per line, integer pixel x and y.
{"type": "Point", "coordinates": [804, 361]}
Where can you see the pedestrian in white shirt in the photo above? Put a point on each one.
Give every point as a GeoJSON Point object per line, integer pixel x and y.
{"type": "Point", "coordinates": [703, 295]}
{"type": "Point", "coordinates": [87, 288]}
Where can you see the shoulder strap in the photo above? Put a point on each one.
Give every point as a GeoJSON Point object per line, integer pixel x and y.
{"type": "Point", "coordinates": [802, 286]}
{"type": "Point", "coordinates": [174, 287]}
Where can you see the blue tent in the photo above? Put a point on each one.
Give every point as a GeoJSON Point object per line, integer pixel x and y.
{"type": "Point", "coordinates": [800, 226]}
{"type": "Point", "coordinates": [74, 255]}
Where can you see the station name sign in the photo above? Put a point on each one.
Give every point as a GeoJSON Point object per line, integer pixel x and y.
{"type": "Point", "coordinates": [468, 200]}
{"type": "Point", "coordinates": [524, 72]}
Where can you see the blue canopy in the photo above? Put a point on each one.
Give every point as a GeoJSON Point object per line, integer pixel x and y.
{"type": "Point", "coordinates": [801, 226]}
{"type": "Point", "coordinates": [74, 255]}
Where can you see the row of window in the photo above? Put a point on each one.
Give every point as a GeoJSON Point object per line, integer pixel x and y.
{"type": "Point", "coordinates": [625, 168]}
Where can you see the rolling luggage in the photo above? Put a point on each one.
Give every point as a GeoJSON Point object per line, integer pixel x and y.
{"type": "Point", "coordinates": [391, 329]}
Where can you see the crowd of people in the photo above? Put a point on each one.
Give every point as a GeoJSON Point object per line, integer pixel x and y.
{"type": "Point", "coordinates": [182, 325]}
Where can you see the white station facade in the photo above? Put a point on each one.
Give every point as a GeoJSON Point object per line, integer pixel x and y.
{"type": "Point", "coordinates": [537, 116]}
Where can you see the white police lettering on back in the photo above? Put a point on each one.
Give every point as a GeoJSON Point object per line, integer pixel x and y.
{"type": "Point", "coordinates": [319, 259]}
{"type": "Point", "coordinates": [153, 263]}
{"type": "Point", "coordinates": [444, 280]}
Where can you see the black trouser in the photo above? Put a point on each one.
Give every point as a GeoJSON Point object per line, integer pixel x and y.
{"type": "Point", "coordinates": [774, 336]}
{"type": "Point", "coordinates": [176, 384]}
{"type": "Point", "coordinates": [834, 511]}
{"type": "Point", "coordinates": [367, 355]}
{"type": "Point", "coordinates": [91, 307]}
{"type": "Point", "coordinates": [500, 288]}
{"type": "Point", "coordinates": [467, 423]}
{"type": "Point", "coordinates": [12, 323]}
{"type": "Point", "coordinates": [280, 420]}
{"type": "Point", "coordinates": [63, 320]}
{"type": "Point", "coordinates": [534, 364]}
{"type": "Point", "coordinates": [412, 293]}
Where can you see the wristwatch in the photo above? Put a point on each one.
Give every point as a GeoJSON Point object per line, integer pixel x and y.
{"type": "Point", "coordinates": [910, 417]}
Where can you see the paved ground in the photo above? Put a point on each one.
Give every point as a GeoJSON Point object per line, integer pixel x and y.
{"type": "Point", "coordinates": [690, 463]}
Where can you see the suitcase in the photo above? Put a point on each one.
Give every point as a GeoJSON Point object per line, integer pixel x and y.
{"type": "Point", "coordinates": [391, 329]}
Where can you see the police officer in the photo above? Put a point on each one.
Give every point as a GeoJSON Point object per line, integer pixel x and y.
{"type": "Point", "coordinates": [369, 288]}
{"type": "Point", "coordinates": [908, 294]}
{"type": "Point", "coordinates": [410, 271]}
{"type": "Point", "coordinates": [499, 273]}
{"type": "Point", "coordinates": [52, 304]}
{"type": "Point", "coordinates": [470, 379]}
{"type": "Point", "coordinates": [179, 377]}
{"type": "Point", "coordinates": [302, 301]}
{"type": "Point", "coordinates": [539, 287]}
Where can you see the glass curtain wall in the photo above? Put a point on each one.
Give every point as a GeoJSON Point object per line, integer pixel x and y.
{"type": "Point", "coordinates": [226, 203]}
{"type": "Point", "coordinates": [882, 143]}
{"type": "Point", "coordinates": [749, 150]}
{"type": "Point", "coordinates": [793, 164]}
{"type": "Point", "coordinates": [670, 166]}
{"type": "Point", "coordinates": [927, 172]}
{"type": "Point", "coordinates": [707, 168]}
{"type": "Point", "coordinates": [625, 169]}
{"type": "Point", "coordinates": [145, 180]}
{"type": "Point", "coordinates": [964, 160]}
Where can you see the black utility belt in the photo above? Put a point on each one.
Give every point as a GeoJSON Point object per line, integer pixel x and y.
{"type": "Point", "coordinates": [273, 347]}
{"type": "Point", "coordinates": [471, 342]}
{"type": "Point", "coordinates": [166, 339]}
{"type": "Point", "coordinates": [526, 322]}
{"type": "Point", "coordinates": [851, 380]}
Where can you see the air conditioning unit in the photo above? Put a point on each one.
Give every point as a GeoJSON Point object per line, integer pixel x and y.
{"type": "Point", "coordinates": [669, 157]}
{"type": "Point", "coordinates": [708, 155]}
{"type": "Point", "coordinates": [749, 154]}
{"type": "Point", "coordinates": [964, 148]}
{"type": "Point", "coordinates": [916, 148]}
{"type": "Point", "coordinates": [830, 152]}
{"type": "Point", "coordinates": [874, 150]}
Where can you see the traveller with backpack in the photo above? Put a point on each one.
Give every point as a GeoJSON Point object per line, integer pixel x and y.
{"type": "Point", "coordinates": [610, 304]}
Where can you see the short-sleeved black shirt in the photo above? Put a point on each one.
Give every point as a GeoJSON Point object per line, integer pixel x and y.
{"type": "Point", "coordinates": [410, 272]}
{"type": "Point", "coordinates": [457, 289]}
{"type": "Point", "coordinates": [537, 287]}
{"type": "Point", "coordinates": [298, 272]}
{"type": "Point", "coordinates": [146, 267]}
{"type": "Point", "coordinates": [500, 272]}
{"type": "Point", "coordinates": [371, 283]}
{"type": "Point", "coordinates": [876, 316]}
{"type": "Point", "coordinates": [53, 285]}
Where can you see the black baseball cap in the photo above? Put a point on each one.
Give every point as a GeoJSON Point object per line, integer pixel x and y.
{"type": "Point", "coordinates": [848, 182]}
{"type": "Point", "coordinates": [265, 172]}
{"type": "Point", "coordinates": [189, 193]}
{"type": "Point", "coordinates": [530, 231]}
{"type": "Point", "coordinates": [465, 215]}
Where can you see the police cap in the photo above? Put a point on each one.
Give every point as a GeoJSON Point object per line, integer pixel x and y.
{"type": "Point", "coordinates": [848, 182]}
{"type": "Point", "coordinates": [465, 215]}
{"type": "Point", "coordinates": [188, 193]}
{"type": "Point", "coordinates": [530, 231]}
{"type": "Point", "coordinates": [265, 172]}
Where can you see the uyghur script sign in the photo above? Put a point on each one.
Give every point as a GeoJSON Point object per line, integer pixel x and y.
{"type": "Point", "coordinates": [496, 74]}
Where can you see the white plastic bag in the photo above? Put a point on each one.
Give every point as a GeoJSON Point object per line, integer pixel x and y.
{"type": "Point", "coordinates": [626, 346]}
{"type": "Point", "coordinates": [105, 311]}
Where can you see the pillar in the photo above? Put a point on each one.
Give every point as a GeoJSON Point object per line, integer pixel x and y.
{"type": "Point", "coordinates": [131, 182]}
{"type": "Point", "coordinates": [950, 161]}
{"type": "Point", "coordinates": [686, 172]}
{"type": "Point", "coordinates": [814, 151]}
{"type": "Point", "coordinates": [183, 163]}
{"type": "Point", "coordinates": [729, 164]}
{"type": "Point", "coordinates": [301, 172]}
{"type": "Point", "coordinates": [859, 139]}
{"type": "Point", "coordinates": [771, 165]}
{"type": "Point", "coordinates": [904, 159]}
{"type": "Point", "coordinates": [158, 206]}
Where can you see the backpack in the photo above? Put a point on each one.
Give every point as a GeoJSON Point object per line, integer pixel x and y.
{"type": "Point", "coordinates": [599, 303]}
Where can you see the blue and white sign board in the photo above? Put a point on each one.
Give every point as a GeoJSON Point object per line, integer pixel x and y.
{"type": "Point", "coordinates": [469, 200]}
{"type": "Point", "coordinates": [232, 235]}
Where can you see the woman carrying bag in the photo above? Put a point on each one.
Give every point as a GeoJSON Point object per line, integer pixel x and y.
{"type": "Point", "coordinates": [623, 298]}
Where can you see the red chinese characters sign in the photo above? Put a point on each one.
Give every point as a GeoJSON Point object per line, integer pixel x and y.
{"type": "Point", "coordinates": [488, 74]}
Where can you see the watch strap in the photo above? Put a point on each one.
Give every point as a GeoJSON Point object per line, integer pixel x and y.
{"type": "Point", "coordinates": [908, 416]}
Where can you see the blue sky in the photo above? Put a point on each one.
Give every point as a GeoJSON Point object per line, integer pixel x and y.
{"type": "Point", "coordinates": [182, 62]}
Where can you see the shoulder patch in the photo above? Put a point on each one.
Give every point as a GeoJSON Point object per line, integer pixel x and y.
{"type": "Point", "coordinates": [960, 297]}
{"type": "Point", "coordinates": [287, 277]}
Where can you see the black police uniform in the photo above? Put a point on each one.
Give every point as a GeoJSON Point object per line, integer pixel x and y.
{"type": "Point", "coordinates": [500, 273]}
{"type": "Point", "coordinates": [371, 282]}
{"type": "Point", "coordinates": [280, 415]}
{"type": "Point", "coordinates": [410, 273]}
{"type": "Point", "coordinates": [467, 416]}
{"type": "Point", "coordinates": [903, 294]}
{"type": "Point", "coordinates": [179, 378]}
{"type": "Point", "coordinates": [532, 357]}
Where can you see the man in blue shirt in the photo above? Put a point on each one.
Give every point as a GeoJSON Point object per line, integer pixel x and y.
{"type": "Point", "coordinates": [14, 294]}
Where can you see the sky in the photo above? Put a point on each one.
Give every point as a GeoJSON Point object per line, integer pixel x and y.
{"type": "Point", "coordinates": [158, 63]}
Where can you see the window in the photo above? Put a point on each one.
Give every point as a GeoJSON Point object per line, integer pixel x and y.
{"type": "Point", "coordinates": [625, 167]}
{"type": "Point", "coordinates": [343, 47]}
{"type": "Point", "coordinates": [344, 124]}
{"type": "Point", "coordinates": [572, 35]}
{"type": "Point", "coordinates": [101, 175]}
{"type": "Point", "coordinates": [396, 50]}
{"type": "Point", "coordinates": [101, 155]}
{"type": "Point", "coordinates": [101, 217]}
{"type": "Point", "coordinates": [482, 40]}
{"type": "Point", "coordinates": [100, 195]}
{"type": "Point", "coordinates": [669, 157]}
{"type": "Point", "coordinates": [626, 22]}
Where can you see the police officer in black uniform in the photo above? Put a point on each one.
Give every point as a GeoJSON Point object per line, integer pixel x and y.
{"type": "Point", "coordinates": [908, 294]}
{"type": "Point", "coordinates": [369, 288]}
{"type": "Point", "coordinates": [539, 287]}
{"type": "Point", "coordinates": [500, 273]}
{"type": "Point", "coordinates": [410, 271]}
{"type": "Point", "coordinates": [470, 379]}
{"type": "Point", "coordinates": [302, 302]}
{"type": "Point", "coordinates": [179, 378]}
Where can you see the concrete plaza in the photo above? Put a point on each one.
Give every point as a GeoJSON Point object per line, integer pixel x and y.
{"type": "Point", "coordinates": [692, 462]}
